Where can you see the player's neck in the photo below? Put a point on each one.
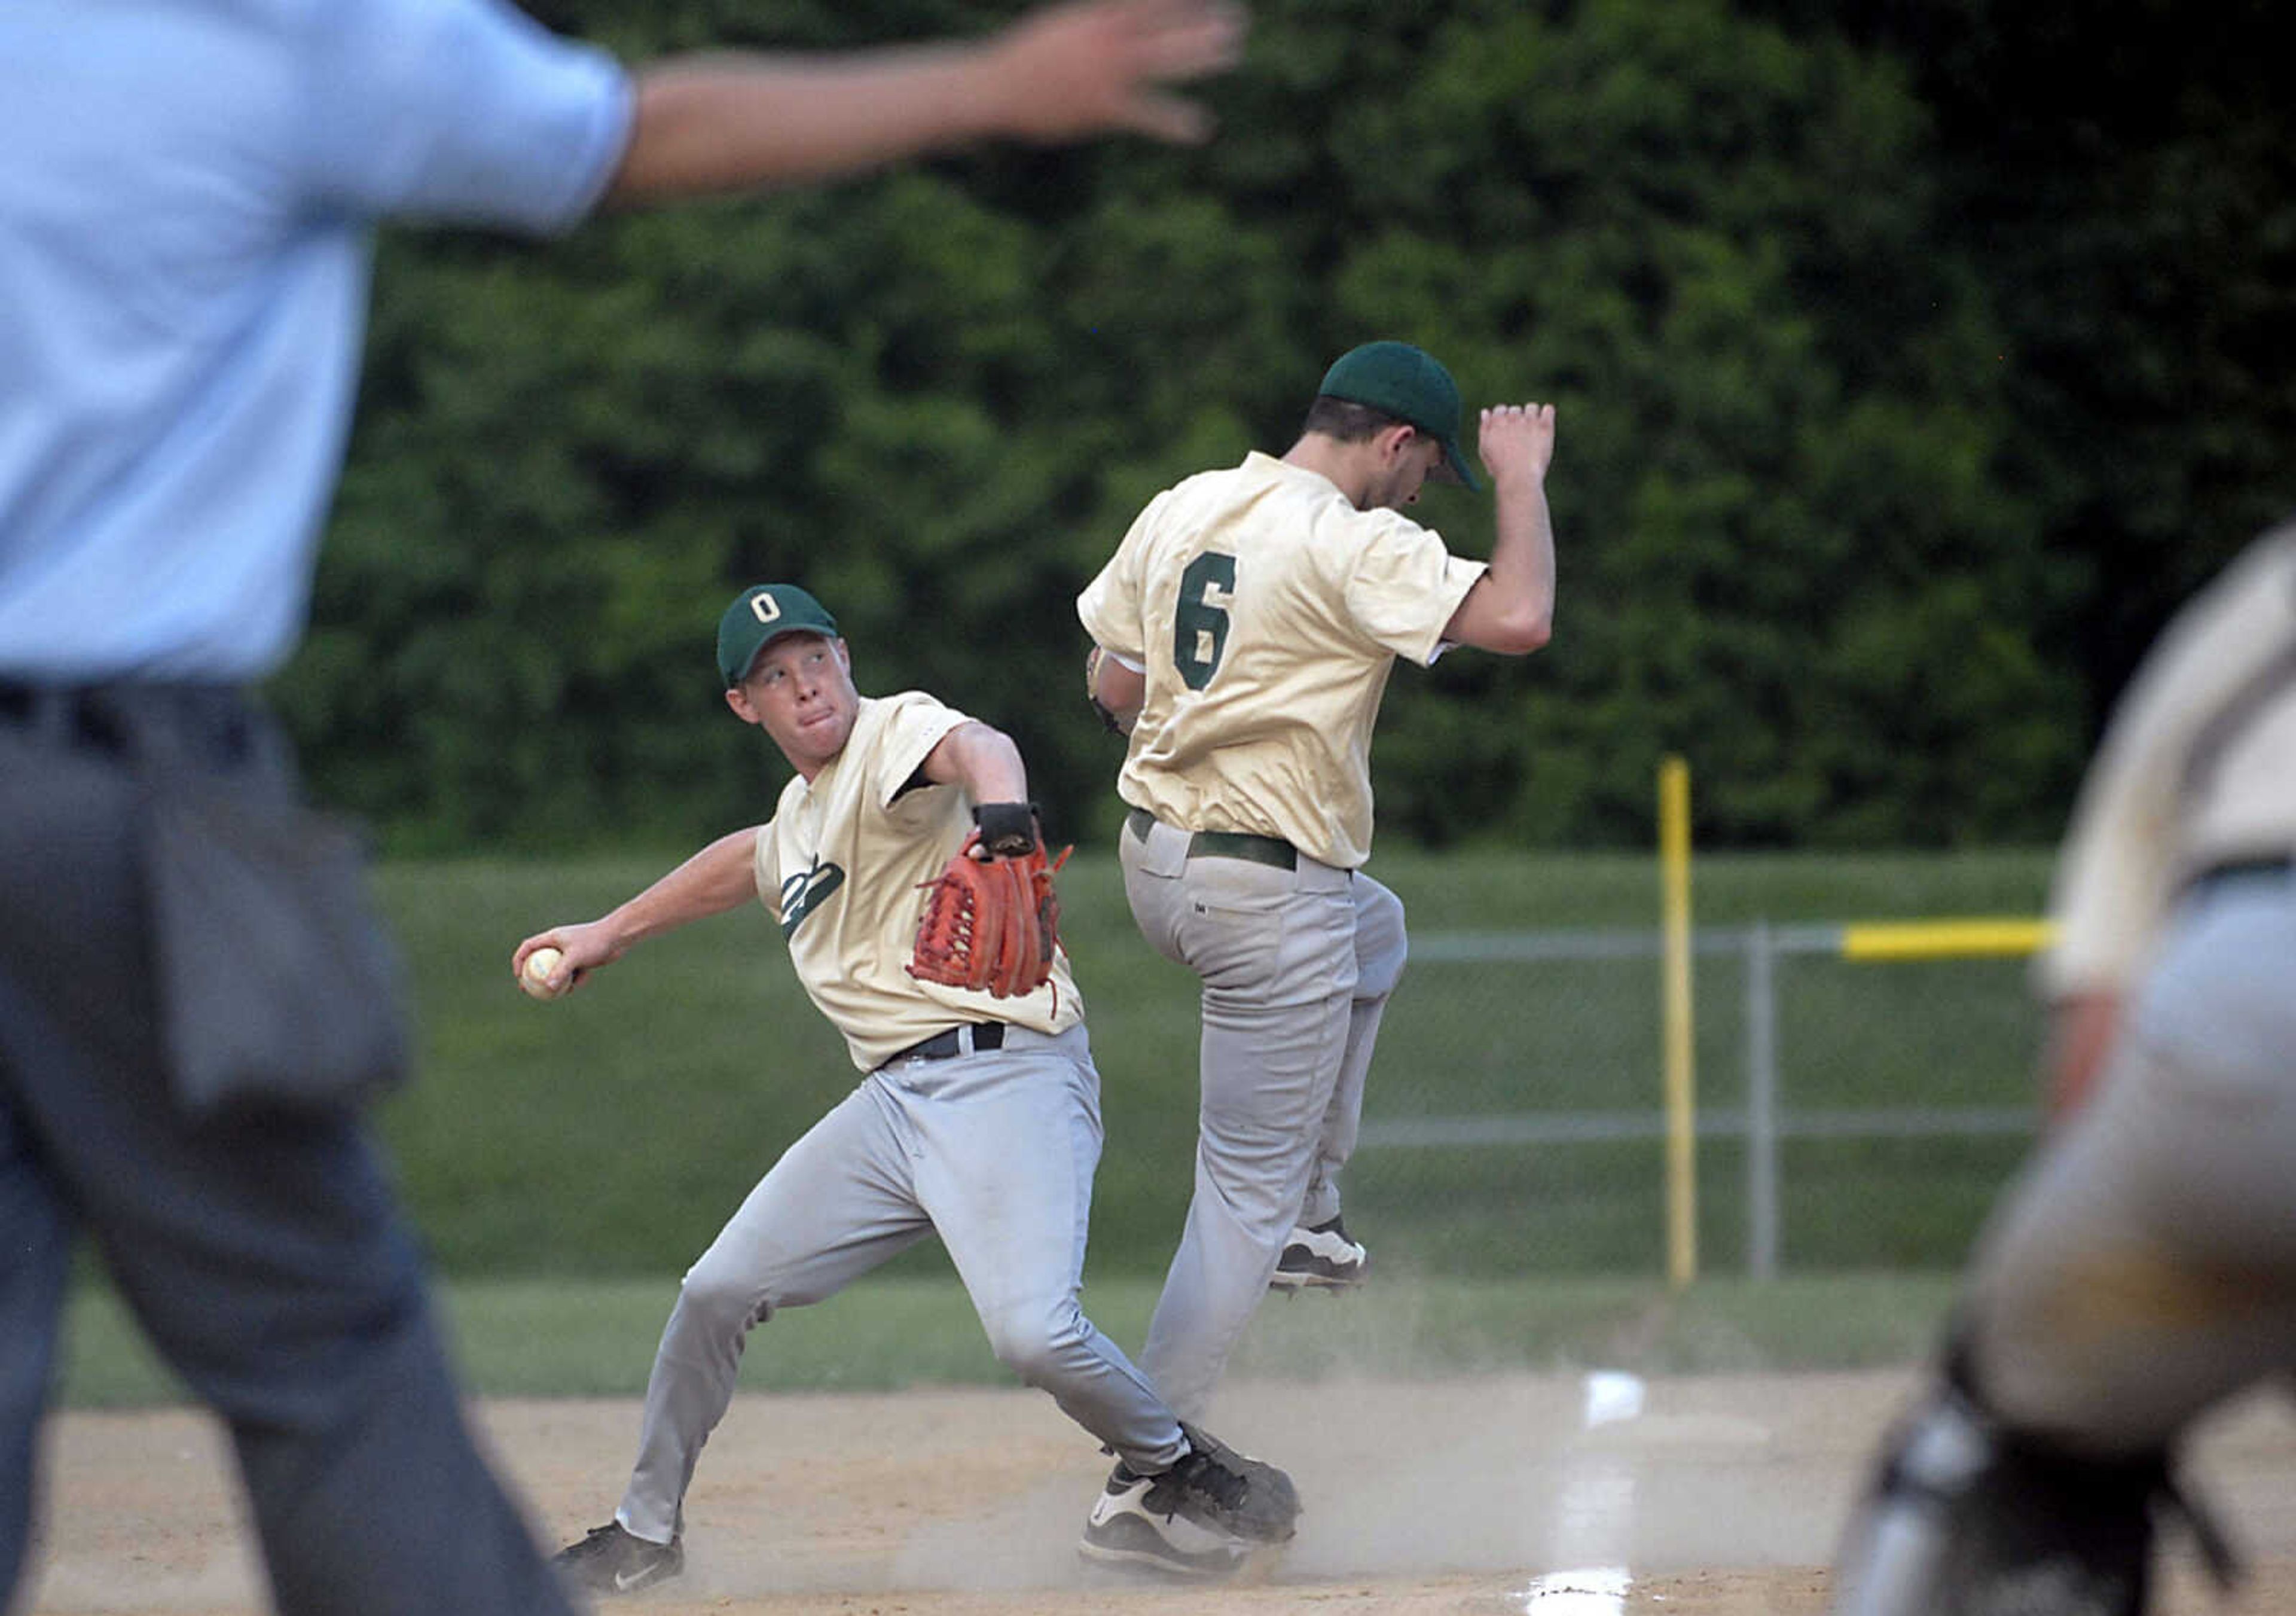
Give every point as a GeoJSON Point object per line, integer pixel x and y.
{"type": "Point", "coordinates": [1340, 463]}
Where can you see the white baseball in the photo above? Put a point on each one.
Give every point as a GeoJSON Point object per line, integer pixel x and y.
{"type": "Point", "coordinates": [536, 976]}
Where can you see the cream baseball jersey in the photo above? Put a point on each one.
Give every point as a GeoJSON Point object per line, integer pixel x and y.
{"type": "Point", "coordinates": [842, 866]}
{"type": "Point", "coordinates": [1267, 611]}
{"type": "Point", "coordinates": [2198, 769]}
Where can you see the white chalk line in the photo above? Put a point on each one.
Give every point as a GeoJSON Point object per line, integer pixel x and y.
{"type": "Point", "coordinates": [1593, 1509]}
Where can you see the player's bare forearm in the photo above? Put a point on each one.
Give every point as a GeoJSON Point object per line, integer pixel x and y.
{"type": "Point", "coordinates": [981, 761]}
{"type": "Point", "coordinates": [733, 121]}
{"type": "Point", "coordinates": [721, 876]}
{"type": "Point", "coordinates": [1522, 564]}
{"type": "Point", "coordinates": [2082, 1027]}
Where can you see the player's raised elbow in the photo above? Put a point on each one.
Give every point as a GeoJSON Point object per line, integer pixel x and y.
{"type": "Point", "coordinates": [1520, 635]}
{"type": "Point", "coordinates": [1511, 629]}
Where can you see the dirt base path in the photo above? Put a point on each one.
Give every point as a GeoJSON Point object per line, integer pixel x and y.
{"type": "Point", "coordinates": [1514, 1496]}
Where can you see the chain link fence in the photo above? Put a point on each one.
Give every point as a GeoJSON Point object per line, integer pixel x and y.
{"type": "Point", "coordinates": [1854, 1108]}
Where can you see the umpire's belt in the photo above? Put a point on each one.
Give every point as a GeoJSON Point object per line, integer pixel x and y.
{"type": "Point", "coordinates": [213, 722]}
{"type": "Point", "coordinates": [2265, 866]}
{"type": "Point", "coordinates": [971, 1038]}
{"type": "Point", "coordinates": [1272, 850]}
{"type": "Point", "coordinates": [68, 713]}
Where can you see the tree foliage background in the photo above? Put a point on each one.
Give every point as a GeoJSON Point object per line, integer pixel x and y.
{"type": "Point", "coordinates": [1912, 362]}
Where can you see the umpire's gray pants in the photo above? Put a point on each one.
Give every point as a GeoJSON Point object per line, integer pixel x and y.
{"type": "Point", "coordinates": [2146, 1266]}
{"type": "Point", "coordinates": [995, 1152]}
{"type": "Point", "coordinates": [1297, 966]}
{"type": "Point", "coordinates": [262, 1250]}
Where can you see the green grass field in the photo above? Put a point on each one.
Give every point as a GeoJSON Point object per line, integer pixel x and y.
{"type": "Point", "coordinates": [564, 1162]}
{"type": "Point", "coordinates": [610, 1134]}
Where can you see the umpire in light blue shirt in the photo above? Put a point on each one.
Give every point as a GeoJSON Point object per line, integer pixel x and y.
{"type": "Point", "coordinates": [186, 204]}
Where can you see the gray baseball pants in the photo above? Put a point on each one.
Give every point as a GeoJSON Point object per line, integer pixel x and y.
{"type": "Point", "coordinates": [1297, 965]}
{"type": "Point", "coordinates": [2146, 1266]}
{"type": "Point", "coordinates": [995, 1151]}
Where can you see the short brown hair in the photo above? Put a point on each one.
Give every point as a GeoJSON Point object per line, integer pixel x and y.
{"type": "Point", "coordinates": [1346, 419]}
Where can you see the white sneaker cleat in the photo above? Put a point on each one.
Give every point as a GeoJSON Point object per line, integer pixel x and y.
{"type": "Point", "coordinates": [1123, 1529]}
{"type": "Point", "coordinates": [1321, 1258]}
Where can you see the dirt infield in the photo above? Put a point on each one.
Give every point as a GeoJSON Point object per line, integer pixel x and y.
{"type": "Point", "coordinates": [1516, 1496]}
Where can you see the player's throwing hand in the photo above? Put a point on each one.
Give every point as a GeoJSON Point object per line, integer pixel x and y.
{"type": "Point", "coordinates": [581, 950]}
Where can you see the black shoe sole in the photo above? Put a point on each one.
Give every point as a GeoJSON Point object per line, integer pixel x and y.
{"type": "Point", "coordinates": [1323, 1276]}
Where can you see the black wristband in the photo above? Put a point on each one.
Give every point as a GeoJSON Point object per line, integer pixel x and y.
{"type": "Point", "coordinates": [1007, 829]}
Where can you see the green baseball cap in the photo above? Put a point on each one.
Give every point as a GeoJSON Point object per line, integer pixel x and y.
{"type": "Point", "coordinates": [1399, 380]}
{"type": "Point", "coordinates": [761, 614]}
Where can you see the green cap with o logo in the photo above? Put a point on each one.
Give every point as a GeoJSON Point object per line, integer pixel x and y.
{"type": "Point", "coordinates": [1399, 380]}
{"type": "Point", "coordinates": [761, 615]}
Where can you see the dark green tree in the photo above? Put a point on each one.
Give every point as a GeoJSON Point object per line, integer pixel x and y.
{"type": "Point", "coordinates": [1869, 431]}
{"type": "Point", "coordinates": [2121, 176]}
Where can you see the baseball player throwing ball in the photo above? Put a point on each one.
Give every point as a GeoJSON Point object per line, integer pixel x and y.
{"type": "Point", "coordinates": [1244, 633]}
{"type": "Point", "coordinates": [2144, 1269]}
{"type": "Point", "coordinates": [978, 1113]}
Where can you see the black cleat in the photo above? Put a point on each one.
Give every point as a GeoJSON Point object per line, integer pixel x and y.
{"type": "Point", "coordinates": [610, 1560]}
{"type": "Point", "coordinates": [1124, 1529]}
{"type": "Point", "coordinates": [1215, 1513]}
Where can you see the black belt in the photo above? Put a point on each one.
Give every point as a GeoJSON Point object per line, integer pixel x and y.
{"type": "Point", "coordinates": [1272, 850]}
{"type": "Point", "coordinates": [78, 717]}
{"type": "Point", "coordinates": [949, 1041]}
{"type": "Point", "coordinates": [214, 720]}
{"type": "Point", "coordinates": [2236, 869]}
{"type": "Point", "coordinates": [64, 708]}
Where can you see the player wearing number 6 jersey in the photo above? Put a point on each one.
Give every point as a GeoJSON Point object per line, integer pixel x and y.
{"type": "Point", "coordinates": [1244, 631]}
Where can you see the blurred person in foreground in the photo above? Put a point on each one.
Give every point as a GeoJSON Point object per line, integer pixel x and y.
{"type": "Point", "coordinates": [193, 1001]}
{"type": "Point", "coordinates": [2143, 1269]}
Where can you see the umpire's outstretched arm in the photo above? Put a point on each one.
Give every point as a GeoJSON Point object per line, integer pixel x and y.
{"type": "Point", "coordinates": [734, 121]}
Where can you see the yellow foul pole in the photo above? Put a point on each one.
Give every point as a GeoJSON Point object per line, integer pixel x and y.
{"type": "Point", "coordinates": [1681, 1091]}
